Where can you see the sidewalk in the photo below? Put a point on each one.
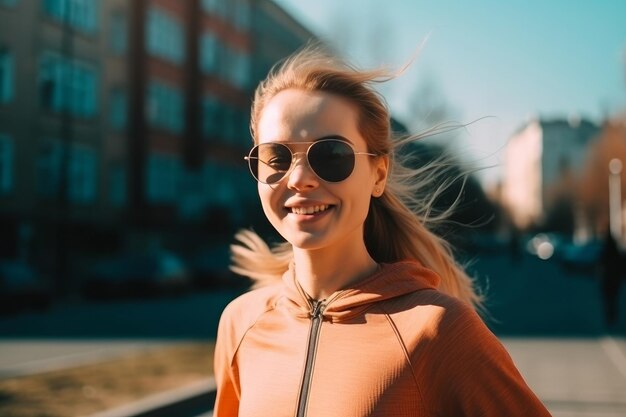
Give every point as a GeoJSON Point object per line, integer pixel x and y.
{"type": "Point", "coordinates": [25, 357]}
{"type": "Point", "coordinates": [574, 377]}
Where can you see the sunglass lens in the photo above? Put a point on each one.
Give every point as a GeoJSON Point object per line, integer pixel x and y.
{"type": "Point", "coordinates": [332, 160]}
{"type": "Point", "coordinates": [269, 162]}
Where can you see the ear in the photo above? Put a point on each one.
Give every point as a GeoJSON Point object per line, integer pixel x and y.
{"type": "Point", "coordinates": [381, 169]}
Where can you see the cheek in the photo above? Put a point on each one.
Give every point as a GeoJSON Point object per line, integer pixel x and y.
{"type": "Point", "coordinates": [362, 205]}
{"type": "Point", "coordinates": [264, 196]}
{"type": "Point", "coordinates": [269, 201]}
{"type": "Point", "coordinates": [357, 201]}
{"type": "Point", "coordinates": [361, 196]}
{"type": "Point", "coordinates": [361, 187]}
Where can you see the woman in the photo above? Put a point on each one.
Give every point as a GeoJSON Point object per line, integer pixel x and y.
{"type": "Point", "coordinates": [363, 311]}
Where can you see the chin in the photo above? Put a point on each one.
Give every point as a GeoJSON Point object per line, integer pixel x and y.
{"type": "Point", "coordinates": [306, 241]}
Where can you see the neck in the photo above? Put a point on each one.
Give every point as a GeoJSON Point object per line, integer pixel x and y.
{"type": "Point", "coordinates": [322, 272]}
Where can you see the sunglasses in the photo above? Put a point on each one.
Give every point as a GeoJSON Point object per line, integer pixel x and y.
{"type": "Point", "coordinates": [332, 160]}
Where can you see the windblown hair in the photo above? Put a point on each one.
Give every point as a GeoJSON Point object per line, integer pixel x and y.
{"type": "Point", "coordinates": [400, 222]}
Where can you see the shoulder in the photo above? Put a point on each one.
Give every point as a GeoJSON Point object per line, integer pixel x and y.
{"type": "Point", "coordinates": [441, 329]}
{"type": "Point", "coordinates": [244, 311]}
{"type": "Point", "coordinates": [440, 326]}
{"type": "Point", "coordinates": [457, 361]}
{"type": "Point", "coordinates": [460, 365]}
{"type": "Point", "coordinates": [434, 309]}
{"type": "Point", "coordinates": [415, 295]}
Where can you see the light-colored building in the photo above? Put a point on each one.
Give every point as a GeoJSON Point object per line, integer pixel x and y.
{"type": "Point", "coordinates": [540, 158]}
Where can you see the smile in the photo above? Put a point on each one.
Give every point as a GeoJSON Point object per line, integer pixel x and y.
{"type": "Point", "coordinates": [309, 210]}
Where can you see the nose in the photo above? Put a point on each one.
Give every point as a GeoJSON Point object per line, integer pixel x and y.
{"type": "Point", "coordinates": [301, 176]}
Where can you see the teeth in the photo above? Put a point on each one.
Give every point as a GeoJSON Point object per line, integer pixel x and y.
{"type": "Point", "coordinates": [309, 210]}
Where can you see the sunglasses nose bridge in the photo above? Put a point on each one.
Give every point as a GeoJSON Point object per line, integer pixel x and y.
{"type": "Point", "coordinates": [298, 157]}
{"type": "Point", "coordinates": [294, 157]}
{"type": "Point", "coordinates": [305, 170]}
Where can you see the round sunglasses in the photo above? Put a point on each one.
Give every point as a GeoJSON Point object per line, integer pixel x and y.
{"type": "Point", "coordinates": [332, 160]}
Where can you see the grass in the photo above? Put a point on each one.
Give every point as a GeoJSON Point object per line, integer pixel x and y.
{"type": "Point", "coordinates": [93, 388]}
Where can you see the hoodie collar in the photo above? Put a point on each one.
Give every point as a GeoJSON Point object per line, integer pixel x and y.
{"type": "Point", "coordinates": [389, 281]}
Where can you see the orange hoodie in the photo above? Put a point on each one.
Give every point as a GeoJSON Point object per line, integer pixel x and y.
{"type": "Point", "coordinates": [392, 346]}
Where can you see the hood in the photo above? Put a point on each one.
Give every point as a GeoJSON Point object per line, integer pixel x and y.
{"type": "Point", "coordinates": [389, 281]}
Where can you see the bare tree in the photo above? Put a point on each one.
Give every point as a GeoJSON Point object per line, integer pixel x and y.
{"type": "Point", "coordinates": [429, 110]}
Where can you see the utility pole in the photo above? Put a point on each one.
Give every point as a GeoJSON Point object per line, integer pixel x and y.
{"type": "Point", "coordinates": [615, 199]}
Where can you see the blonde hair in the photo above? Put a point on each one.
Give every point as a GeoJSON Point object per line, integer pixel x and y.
{"type": "Point", "coordinates": [396, 225]}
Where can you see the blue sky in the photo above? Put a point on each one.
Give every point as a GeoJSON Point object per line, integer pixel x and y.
{"type": "Point", "coordinates": [511, 60]}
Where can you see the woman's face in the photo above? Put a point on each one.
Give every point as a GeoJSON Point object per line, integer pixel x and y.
{"type": "Point", "coordinates": [298, 116]}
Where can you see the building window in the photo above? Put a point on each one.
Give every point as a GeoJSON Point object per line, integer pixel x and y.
{"type": "Point", "coordinates": [211, 117]}
{"type": "Point", "coordinates": [234, 65]}
{"type": "Point", "coordinates": [228, 63]}
{"type": "Point", "coordinates": [240, 74]}
{"type": "Point", "coordinates": [79, 14]}
{"type": "Point", "coordinates": [219, 185]}
{"type": "Point", "coordinates": [81, 172]}
{"type": "Point", "coordinates": [67, 85]}
{"type": "Point", "coordinates": [49, 169]}
{"type": "Point", "coordinates": [209, 52]}
{"type": "Point", "coordinates": [237, 12]}
{"type": "Point", "coordinates": [217, 7]}
{"type": "Point", "coordinates": [162, 178]}
{"type": "Point", "coordinates": [224, 70]}
{"type": "Point", "coordinates": [118, 109]}
{"type": "Point", "coordinates": [241, 14]}
{"type": "Point", "coordinates": [118, 37]}
{"type": "Point", "coordinates": [117, 185]}
{"type": "Point", "coordinates": [6, 164]}
{"type": "Point", "coordinates": [6, 76]}
{"type": "Point", "coordinates": [165, 37]}
{"type": "Point", "coordinates": [191, 200]}
{"type": "Point", "coordinates": [165, 107]}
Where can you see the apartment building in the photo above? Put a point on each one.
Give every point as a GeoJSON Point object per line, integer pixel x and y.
{"type": "Point", "coordinates": [129, 118]}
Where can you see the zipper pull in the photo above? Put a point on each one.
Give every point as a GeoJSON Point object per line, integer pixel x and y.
{"type": "Point", "coordinates": [318, 309]}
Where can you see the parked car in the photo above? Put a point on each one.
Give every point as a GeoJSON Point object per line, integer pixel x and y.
{"type": "Point", "coordinates": [137, 275]}
{"type": "Point", "coordinates": [22, 287]}
{"type": "Point", "coordinates": [582, 259]}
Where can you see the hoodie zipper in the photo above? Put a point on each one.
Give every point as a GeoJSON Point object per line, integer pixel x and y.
{"type": "Point", "coordinates": [317, 310]}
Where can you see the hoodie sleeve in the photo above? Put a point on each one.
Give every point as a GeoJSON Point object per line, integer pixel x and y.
{"type": "Point", "coordinates": [226, 375]}
{"type": "Point", "coordinates": [470, 372]}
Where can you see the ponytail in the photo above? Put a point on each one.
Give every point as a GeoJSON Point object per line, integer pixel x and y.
{"type": "Point", "coordinates": [393, 232]}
